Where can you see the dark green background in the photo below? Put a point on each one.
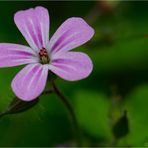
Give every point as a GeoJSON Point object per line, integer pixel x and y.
{"type": "Point", "coordinates": [119, 81]}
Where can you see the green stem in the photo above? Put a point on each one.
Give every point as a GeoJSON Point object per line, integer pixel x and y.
{"type": "Point", "coordinates": [69, 107]}
{"type": "Point", "coordinates": [115, 111]}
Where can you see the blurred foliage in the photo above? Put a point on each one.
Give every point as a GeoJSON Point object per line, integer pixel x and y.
{"type": "Point", "coordinates": [119, 51]}
{"type": "Point", "coordinates": [94, 117]}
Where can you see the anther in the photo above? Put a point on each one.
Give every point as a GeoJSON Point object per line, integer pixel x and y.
{"type": "Point", "coordinates": [44, 58]}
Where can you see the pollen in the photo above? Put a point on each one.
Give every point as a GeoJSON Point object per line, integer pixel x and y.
{"type": "Point", "coordinates": [44, 58]}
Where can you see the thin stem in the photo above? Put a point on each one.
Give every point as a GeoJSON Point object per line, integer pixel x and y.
{"type": "Point", "coordinates": [71, 113]}
{"type": "Point", "coordinates": [115, 111]}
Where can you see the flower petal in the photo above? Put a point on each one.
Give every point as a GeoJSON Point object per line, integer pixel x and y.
{"type": "Point", "coordinates": [34, 25]}
{"type": "Point", "coordinates": [71, 34]}
{"type": "Point", "coordinates": [30, 82]}
{"type": "Point", "coordinates": [72, 66]}
{"type": "Point", "coordinates": [13, 55]}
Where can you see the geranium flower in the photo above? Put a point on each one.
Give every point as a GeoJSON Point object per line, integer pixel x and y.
{"type": "Point", "coordinates": [45, 55]}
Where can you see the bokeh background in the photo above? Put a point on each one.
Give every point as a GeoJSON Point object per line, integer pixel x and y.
{"type": "Point", "coordinates": [112, 104]}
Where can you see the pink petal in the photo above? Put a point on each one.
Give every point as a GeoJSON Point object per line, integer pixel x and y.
{"type": "Point", "coordinates": [34, 25]}
{"type": "Point", "coordinates": [72, 66]}
{"type": "Point", "coordinates": [71, 34]}
{"type": "Point", "coordinates": [30, 82]}
{"type": "Point", "coordinates": [13, 55]}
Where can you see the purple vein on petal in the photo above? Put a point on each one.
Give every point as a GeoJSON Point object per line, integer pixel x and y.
{"type": "Point", "coordinates": [64, 67]}
{"type": "Point", "coordinates": [65, 61]}
{"type": "Point", "coordinates": [20, 53]}
{"type": "Point", "coordinates": [36, 74]}
{"type": "Point", "coordinates": [40, 33]}
{"type": "Point", "coordinates": [59, 40]}
{"type": "Point", "coordinates": [67, 39]}
{"type": "Point", "coordinates": [64, 44]}
{"type": "Point", "coordinates": [30, 26]}
{"type": "Point", "coordinates": [30, 71]}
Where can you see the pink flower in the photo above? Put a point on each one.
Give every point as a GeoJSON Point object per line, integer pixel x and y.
{"type": "Point", "coordinates": [44, 54]}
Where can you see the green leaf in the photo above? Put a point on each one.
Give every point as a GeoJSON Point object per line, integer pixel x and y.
{"type": "Point", "coordinates": [93, 113]}
{"type": "Point", "coordinates": [137, 111]}
{"type": "Point", "coordinates": [123, 57]}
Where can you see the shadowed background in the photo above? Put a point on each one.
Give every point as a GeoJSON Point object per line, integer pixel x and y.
{"type": "Point", "coordinates": [118, 83]}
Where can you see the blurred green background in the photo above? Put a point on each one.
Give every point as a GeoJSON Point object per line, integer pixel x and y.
{"type": "Point", "coordinates": [112, 104]}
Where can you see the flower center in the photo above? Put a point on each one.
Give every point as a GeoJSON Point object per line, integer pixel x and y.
{"type": "Point", "coordinates": [44, 58]}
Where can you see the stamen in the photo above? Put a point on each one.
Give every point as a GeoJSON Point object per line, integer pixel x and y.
{"type": "Point", "coordinates": [44, 58]}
